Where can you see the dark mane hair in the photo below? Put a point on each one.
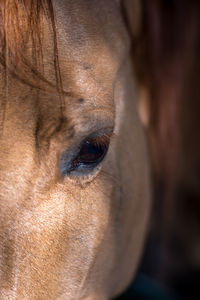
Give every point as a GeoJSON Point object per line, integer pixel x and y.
{"type": "Point", "coordinates": [21, 42]}
{"type": "Point", "coordinates": [21, 49]}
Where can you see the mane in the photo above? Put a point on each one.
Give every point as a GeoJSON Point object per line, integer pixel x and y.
{"type": "Point", "coordinates": [21, 42]}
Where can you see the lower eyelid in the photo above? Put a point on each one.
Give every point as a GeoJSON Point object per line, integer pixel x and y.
{"type": "Point", "coordinates": [78, 178]}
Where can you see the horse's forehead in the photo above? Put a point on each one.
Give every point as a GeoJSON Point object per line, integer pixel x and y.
{"type": "Point", "coordinates": [83, 17]}
{"type": "Point", "coordinates": [91, 43]}
{"type": "Point", "coordinates": [90, 29]}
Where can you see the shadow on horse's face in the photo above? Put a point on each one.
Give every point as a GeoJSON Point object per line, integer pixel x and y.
{"type": "Point", "coordinates": [74, 178]}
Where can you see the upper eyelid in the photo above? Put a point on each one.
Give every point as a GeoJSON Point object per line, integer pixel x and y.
{"type": "Point", "coordinates": [92, 121]}
{"type": "Point", "coordinates": [93, 126]}
{"type": "Point", "coordinates": [81, 137]}
{"type": "Point", "coordinates": [100, 133]}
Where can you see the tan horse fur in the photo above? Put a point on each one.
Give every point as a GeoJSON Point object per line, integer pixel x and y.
{"type": "Point", "coordinates": [81, 236]}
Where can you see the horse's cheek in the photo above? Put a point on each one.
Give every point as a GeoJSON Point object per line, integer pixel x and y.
{"type": "Point", "coordinates": [52, 245]}
{"type": "Point", "coordinates": [72, 225]}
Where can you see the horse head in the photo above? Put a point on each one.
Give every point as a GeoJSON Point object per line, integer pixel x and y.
{"type": "Point", "coordinates": [74, 176]}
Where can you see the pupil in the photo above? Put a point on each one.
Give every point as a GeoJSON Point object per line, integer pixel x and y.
{"type": "Point", "coordinates": [91, 153]}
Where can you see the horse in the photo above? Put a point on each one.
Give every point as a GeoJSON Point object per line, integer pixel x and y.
{"type": "Point", "coordinates": [74, 167]}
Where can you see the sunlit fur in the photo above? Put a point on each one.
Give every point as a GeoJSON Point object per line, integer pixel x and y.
{"type": "Point", "coordinates": [68, 237]}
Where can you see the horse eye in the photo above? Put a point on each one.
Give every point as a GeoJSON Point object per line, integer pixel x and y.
{"type": "Point", "coordinates": [92, 152]}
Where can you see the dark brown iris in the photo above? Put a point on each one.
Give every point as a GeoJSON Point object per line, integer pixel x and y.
{"type": "Point", "coordinates": [92, 151]}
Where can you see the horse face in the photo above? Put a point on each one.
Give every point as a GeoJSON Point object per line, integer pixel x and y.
{"type": "Point", "coordinates": [74, 176]}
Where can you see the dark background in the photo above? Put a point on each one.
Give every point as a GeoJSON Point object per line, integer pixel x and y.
{"type": "Point", "coordinates": [166, 50]}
